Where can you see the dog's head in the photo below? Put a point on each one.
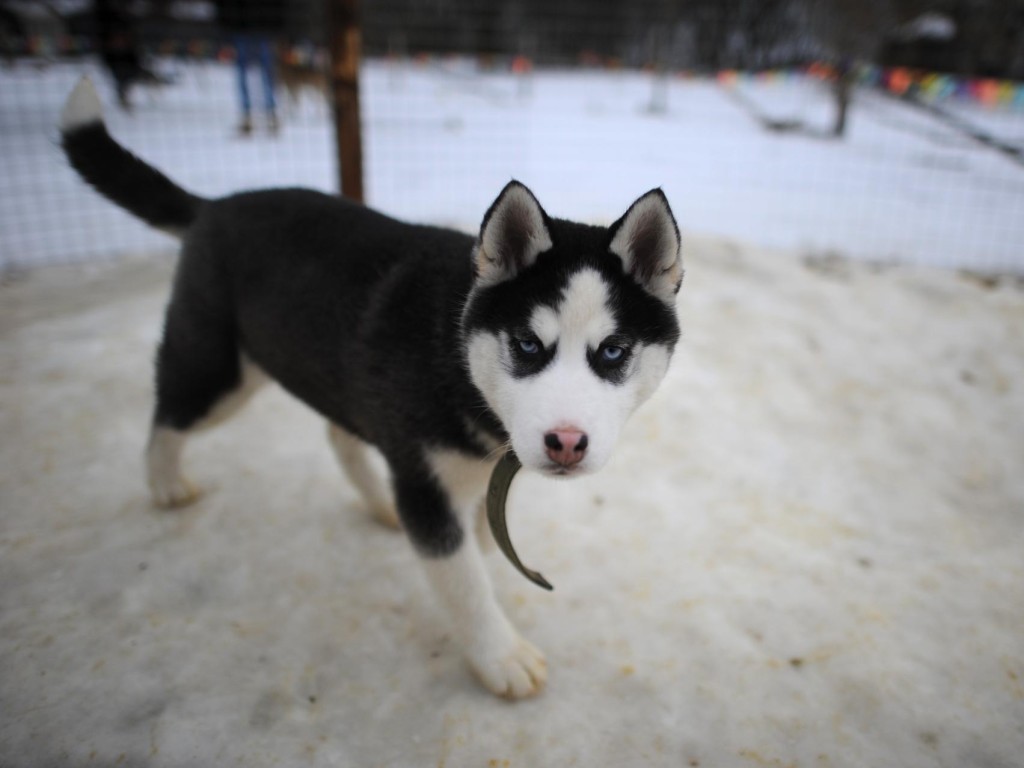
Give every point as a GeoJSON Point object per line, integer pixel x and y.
{"type": "Point", "coordinates": [570, 327]}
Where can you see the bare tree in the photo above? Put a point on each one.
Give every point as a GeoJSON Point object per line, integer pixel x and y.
{"type": "Point", "coordinates": [853, 31]}
{"type": "Point", "coordinates": [849, 31]}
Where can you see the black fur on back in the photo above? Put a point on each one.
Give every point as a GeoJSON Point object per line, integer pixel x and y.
{"type": "Point", "coordinates": [355, 313]}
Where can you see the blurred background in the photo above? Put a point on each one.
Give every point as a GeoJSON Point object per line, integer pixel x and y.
{"type": "Point", "coordinates": [886, 130]}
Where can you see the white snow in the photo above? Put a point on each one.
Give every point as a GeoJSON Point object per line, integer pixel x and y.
{"type": "Point", "coordinates": [807, 551]}
{"type": "Point", "coordinates": [442, 140]}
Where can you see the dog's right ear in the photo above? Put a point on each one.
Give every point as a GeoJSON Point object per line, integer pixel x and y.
{"type": "Point", "coordinates": [513, 234]}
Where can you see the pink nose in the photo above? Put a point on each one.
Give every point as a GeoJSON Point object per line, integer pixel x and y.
{"type": "Point", "coordinates": [565, 446]}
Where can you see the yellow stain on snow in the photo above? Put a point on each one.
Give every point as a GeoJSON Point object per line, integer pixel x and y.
{"type": "Point", "coordinates": [759, 759]}
{"type": "Point", "coordinates": [1016, 688]}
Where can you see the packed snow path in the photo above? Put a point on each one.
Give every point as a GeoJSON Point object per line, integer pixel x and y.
{"type": "Point", "coordinates": [807, 551]}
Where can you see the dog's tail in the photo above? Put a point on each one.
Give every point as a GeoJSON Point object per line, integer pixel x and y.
{"type": "Point", "coordinates": [115, 172]}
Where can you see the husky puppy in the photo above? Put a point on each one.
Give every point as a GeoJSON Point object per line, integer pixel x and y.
{"type": "Point", "coordinates": [439, 349]}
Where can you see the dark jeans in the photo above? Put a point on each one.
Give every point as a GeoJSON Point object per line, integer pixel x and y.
{"type": "Point", "coordinates": [259, 49]}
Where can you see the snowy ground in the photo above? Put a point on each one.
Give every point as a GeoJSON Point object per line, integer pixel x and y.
{"type": "Point", "coordinates": [441, 140]}
{"type": "Point", "coordinates": [807, 551]}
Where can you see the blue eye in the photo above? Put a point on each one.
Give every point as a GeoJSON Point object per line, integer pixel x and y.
{"type": "Point", "coordinates": [528, 346]}
{"type": "Point", "coordinates": [612, 354]}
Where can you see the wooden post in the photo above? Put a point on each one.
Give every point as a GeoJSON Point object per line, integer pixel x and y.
{"type": "Point", "coordinates": [344, 42]}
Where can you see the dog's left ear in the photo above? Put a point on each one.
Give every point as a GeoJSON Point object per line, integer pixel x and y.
{"type": "Point", "coordinates": [513, 234]}
{"type": "Point", "coordinates": [647, 240]}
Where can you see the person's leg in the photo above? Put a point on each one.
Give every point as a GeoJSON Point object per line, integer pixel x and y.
{"type": "Point", "coordinates": [241, 66]}
{"type": "Point", "coordinates": [266, 59]}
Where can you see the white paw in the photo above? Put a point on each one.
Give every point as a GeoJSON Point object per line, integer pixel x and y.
{"type": "Point", "coordinates": [170, 492]}
{"type": "Point", "coordinates": [514, 673]}
{"type": "Point", "coordinates": [163, 469]}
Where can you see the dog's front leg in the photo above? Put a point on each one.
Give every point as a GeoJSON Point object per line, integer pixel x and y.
{"type": "Point", "coordinates": [438, 517]}
{"type": "Point", "coordinates": [508, 664]}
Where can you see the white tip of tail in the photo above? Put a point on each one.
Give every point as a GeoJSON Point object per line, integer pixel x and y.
{"type": "Point", "coordinates": [82, 108]}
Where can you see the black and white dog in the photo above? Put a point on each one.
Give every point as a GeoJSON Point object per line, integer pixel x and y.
{"type": "Point", "coordinates": [439, 349]}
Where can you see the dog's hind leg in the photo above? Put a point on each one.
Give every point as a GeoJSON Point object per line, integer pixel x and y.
{"type": "Point", "coordinates": [202, 379]}
{"type": "Point", "coordinates": [167, 485]}
{"type": "Point", "coordinates": [354, 456]}
{"type": "Point", "coordinates": [176, 419]}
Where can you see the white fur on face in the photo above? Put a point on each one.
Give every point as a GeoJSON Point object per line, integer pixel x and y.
{"type": "Point", "coordinates": [567, 394]}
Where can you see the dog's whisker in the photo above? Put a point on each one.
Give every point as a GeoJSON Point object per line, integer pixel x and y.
{"type": "Point", "coordinates": [501, 449]}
